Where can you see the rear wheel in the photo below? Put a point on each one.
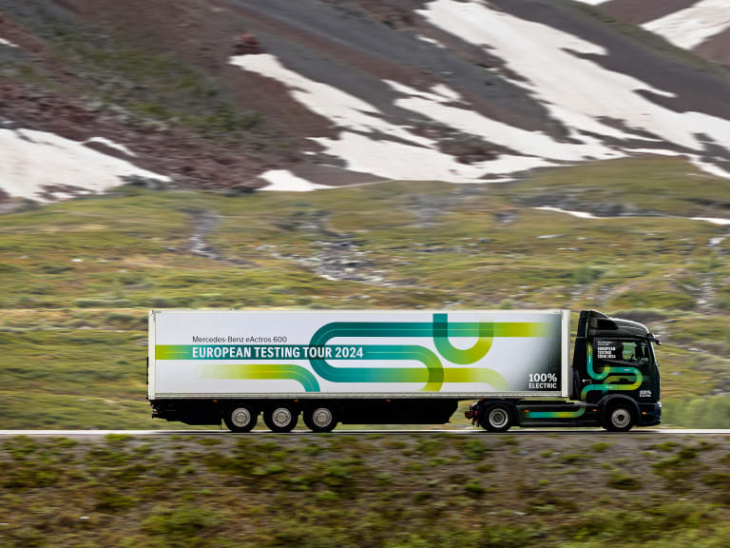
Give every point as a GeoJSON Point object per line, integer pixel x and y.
{"type": "Point", "coordinates": [240, 418]}
{"type": "Point", "coordinates": [497, 418]}
{"type": "Point", "coordinates": [281, 418]}
{"type": "Point", "coordinates": [321, 419]}
{"type": "Point", "coordinates": [618, 418]}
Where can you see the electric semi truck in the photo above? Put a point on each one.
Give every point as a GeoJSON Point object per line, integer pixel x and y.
{"type": "Point", "coordinates": [401, 367]}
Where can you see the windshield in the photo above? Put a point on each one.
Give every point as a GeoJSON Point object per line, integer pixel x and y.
{"type": "Point", "coordinates": [653, 354]}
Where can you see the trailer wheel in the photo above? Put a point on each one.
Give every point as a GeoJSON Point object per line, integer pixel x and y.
{"type": "Point", "coordinates": [281, 418]}
{"type": "Point", "coordinates": [321, 419]}
{"type": "Point", "coordinates": [498, 418]}
{"type": "Point", "coordinates": [618, 417]}
{"type": "Point", "coordinates": [240, 418]}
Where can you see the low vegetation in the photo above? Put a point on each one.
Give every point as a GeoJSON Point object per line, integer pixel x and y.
{"type": "Point", "coordinates": [359, 491]}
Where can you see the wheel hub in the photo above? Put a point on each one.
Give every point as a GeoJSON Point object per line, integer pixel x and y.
{"type": "Point", "coordinates": [281, 417]}
{"type": "Point", "coordinates": [241, 417]}
{"type": "Point", "coordinates": [322, 417]}
{"type": "Point", "coordinates": [497, 418]}
{"type": "Point", "coordinates": [620, 418]}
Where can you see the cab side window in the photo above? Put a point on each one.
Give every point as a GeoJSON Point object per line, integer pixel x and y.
{"type": "Point", "coordinates": [636, 352]}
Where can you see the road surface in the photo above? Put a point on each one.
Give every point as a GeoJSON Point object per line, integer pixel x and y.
{"type": "Point", "coordinates": [462, 432]}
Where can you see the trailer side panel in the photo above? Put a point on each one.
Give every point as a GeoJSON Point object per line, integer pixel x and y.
{"type": "Point", "coordinates": [356, 354]}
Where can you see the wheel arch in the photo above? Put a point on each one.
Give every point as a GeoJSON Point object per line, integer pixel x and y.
{"type": "Point", "coordinates": [610, 402]}
{"type": "Point", "coordinates": [607, 402]}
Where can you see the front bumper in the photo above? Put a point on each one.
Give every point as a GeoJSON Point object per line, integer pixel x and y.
{"type": "Point", "coordinates": [651, 414]}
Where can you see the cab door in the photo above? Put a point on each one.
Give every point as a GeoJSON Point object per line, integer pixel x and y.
{"type": "Point", "coordinates": [621, 366]}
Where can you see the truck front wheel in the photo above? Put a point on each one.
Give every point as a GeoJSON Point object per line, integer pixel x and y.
{"type": "Point", "coordinates": [618, 418]}
{"type": "Point", "coordinates": [281, 418]}
{"type": "Point", "coordinates": [497, 418]}
{"type": "Point", "coordinates": [322, 418]}
{"type": "Point", "coordinates": [240, 418]}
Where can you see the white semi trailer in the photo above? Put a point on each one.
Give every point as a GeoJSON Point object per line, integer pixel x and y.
{"type": "Point", "coordinates": [400, 367]}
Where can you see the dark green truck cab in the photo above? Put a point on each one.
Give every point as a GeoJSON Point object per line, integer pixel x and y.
{"type": "Point", "coordinates": [615, 383]}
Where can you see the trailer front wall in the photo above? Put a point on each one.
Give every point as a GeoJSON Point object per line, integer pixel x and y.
{"type": "Point", "coordinates": [341, 354]}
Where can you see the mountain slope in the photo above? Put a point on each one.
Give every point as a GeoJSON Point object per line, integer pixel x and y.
{"type": "Point", "coordinates": [296, 95]}
{"type": "Point", "coordinates": [702, 26]}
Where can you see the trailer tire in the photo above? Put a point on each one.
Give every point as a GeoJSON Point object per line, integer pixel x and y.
{"type": "Point", "coordinates": [240, 418]}
{"type": "Point", "coordinates": [497, 418]}
{"type": "Point", "coordinates": [618, 417]}
{"type": "Point", "coordinates": [281, 418]}
{"type": "Point", "coordinates": [321, 418]}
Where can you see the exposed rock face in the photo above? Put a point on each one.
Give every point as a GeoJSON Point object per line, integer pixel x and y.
{"type": "Point", "coordinates": [246, 44]}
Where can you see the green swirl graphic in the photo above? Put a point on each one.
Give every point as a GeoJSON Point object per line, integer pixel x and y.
{"type": "Point", "coordinates": [617, 374]}
{"type": "Point", "coordinates": [441, 334]}
{"type": "Point", "coordinates": [439, 330]}
{"type": "Point", "coordinates": [433, 376]}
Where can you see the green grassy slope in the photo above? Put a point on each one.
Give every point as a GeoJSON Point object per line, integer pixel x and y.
{"type": "Point", "coordinates": [376, 490]}
{"type": "Point", "coordinates": [78, 277]}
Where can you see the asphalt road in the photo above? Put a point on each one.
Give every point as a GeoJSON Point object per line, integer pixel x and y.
{"type": "Point", "coordinates": [456, 432]}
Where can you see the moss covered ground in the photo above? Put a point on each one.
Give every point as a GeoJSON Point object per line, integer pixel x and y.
{"type": "Point", "coordinates": [480, 490]}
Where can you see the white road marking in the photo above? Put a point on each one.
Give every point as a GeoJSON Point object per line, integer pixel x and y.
{"type": "Point", "coordinates": [462, 431]}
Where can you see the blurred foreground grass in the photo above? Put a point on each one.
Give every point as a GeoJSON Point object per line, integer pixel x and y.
{"type": "Point", "coordinates": [78, 277]}
{"type": "Point", "coordinates": [378, 490]}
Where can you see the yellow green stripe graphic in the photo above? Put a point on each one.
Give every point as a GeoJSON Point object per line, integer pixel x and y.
{"type": "Point", "coordinates": [270, 371]}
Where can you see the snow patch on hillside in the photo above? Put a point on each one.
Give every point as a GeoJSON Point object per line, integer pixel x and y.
{"type": "Point", "coordinates": [8, 43]}
{"type": "Point", "coordinates": [579, 214]}
{"type": "Point", "coordinates": [713, 220]}
{"type": "Point", "coordinates": [575, 90]}
{"type": "Point", "coordinates": [557, 72]}
{"type": "Point", "coordinates": [690, 27]}
{"type": "Point", "coordinates": [364, 140]}
{"type": "Point", "coordinates": [430, 41]}
{"type": "Point", "coordinates": [586, 215]}
{"type": "Point", "coordinates": [286, 181]}
{"type": "Point", "coordinates": [111, 144]}
{"type": "Point", "coordinates": [34, 161]}
{"type": "Point", "coordinates": [534, 143]}
{"type": "Point", "coordinates": [341, 108]}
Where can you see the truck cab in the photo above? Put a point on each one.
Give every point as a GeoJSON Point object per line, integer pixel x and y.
{"type": "Point", "coordinates": [614, 383]}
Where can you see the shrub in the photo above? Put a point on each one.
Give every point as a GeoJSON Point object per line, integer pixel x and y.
{"type": "Point", "coordinates": [179, 527]}
{"type": "Point", "coordinates": [585, 275]}
{"type": "Point", "coordinates": [621, 480]}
